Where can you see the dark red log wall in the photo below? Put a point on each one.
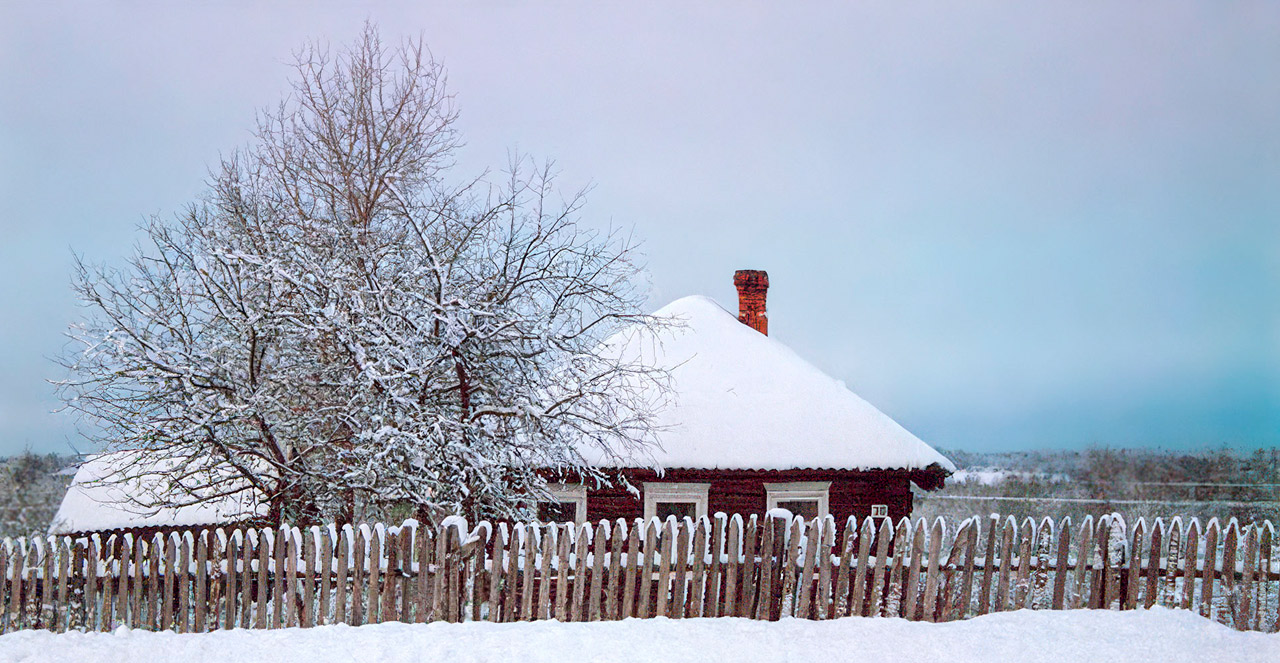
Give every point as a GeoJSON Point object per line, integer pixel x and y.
{"type": "Point", "coordinates": [742, 491]}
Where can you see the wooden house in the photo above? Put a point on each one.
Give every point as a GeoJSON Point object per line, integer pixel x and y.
{"type": "Point", "coordinates": [751, 427]}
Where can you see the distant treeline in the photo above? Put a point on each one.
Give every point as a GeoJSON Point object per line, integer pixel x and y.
{"type": "Point", "coordinates": [31, 488]}
{"type": "Point", "coordinates": [1217, 483]}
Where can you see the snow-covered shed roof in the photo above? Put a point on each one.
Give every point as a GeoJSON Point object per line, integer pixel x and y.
{"type": "Point", "coordinates": [743, 400]}
{"type": "Point", "coordinates": [98, 500]}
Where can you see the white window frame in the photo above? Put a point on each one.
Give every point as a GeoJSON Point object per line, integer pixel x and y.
{"type": "Point", "coordinates": [665, 491]}
{"type": "Point", "coordinates": [571, 493]}
{"type": "Point", "coordinates": [799, 490]}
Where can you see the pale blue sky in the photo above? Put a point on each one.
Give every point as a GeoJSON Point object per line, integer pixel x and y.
{"type": "Point", "coordinates": [1008, 225]}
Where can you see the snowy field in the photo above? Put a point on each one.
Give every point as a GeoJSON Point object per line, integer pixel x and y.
{"type": "Point", "coordinates": [1080, 635]}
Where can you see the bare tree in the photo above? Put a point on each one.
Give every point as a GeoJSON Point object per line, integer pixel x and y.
{"type": "Point", "coordinates": [341, 326]}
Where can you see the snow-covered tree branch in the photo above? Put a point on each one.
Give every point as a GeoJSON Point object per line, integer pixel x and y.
{"type": "Point", "coordinates": [342, 324]}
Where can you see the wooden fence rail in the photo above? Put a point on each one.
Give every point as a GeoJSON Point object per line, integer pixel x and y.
{"type": "Point", "coordinates": [760, 568]}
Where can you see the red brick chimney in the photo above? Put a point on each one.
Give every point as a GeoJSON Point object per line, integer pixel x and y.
{"type": "Point", "coordinates": [753, 287]}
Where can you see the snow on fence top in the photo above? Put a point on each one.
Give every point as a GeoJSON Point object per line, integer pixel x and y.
{"type": "Point", "coordinates": [743, 400]}
{"type": "Point", "coordinates": [101, 499]}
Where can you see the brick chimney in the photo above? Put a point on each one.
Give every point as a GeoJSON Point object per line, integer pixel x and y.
{"type": "Point", "coordinates": [753, 288]}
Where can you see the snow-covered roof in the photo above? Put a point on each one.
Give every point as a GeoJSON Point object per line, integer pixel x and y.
{"type": "Point", "coordinates": [743, 400]}
{"type": "Point", "coordinates": [98, 500]}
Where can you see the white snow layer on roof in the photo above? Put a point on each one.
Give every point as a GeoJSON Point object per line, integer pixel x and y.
{"type": "Point", "coordinates": [97, 500]}
{"type": "Point", "coordinates": [743, 400]}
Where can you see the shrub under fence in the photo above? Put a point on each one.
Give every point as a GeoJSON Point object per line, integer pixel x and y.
{"type": "Point", "coordinates": [758, 567]}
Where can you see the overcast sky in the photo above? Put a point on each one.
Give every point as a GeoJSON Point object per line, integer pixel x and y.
{"type": "Point", "coordinates": [1007, 225]}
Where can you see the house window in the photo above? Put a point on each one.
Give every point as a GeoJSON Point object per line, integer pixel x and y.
{"type": "Point", "coordinates": [807, 499]}
{"type": "Point", "coordinates": [663, 499]}
{"type": "Point", "coordinates": [570, 504]}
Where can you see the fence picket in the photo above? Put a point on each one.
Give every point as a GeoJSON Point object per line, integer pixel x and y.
{"type": "Point", "coordinates": [202, 581]}
{"type": "Point", "coordinates": [911, 592]}
{"type": "Point", "coordinates": [374, 576]}
{"type": "Point", "coordinates": [715, 574]}
{"type": "Point", "coordinates": [774, 528]}
{"type": "Point", "coordinates": [279, 547]}
{"type": "Point", "coordinates": [599, 552]}
{"type": "Point", "coordinates": [137, 581]}
{"type": "Point", "coordinates": [848, 550]}
{"type": "Point", "coordinates": [681, 561]}
{"type": "Point", "coordinates": [630, 579]}
{"type": "Point", "coordinates": [346, 553]}
{"type": "Point", "coordinates": [1264, 566]}
{"type": "Point", "coordinates": [408, 532]}
{"type": "Point", "coordinates": [515, 572]}
{"type": "Point", "coordinates": [733, 565]}
{"type": "Point", "coordinates": [474, 590]}
{"type": "Point", "coordinates": [700, 547]}
{"type": "Point", "coordinates": [646, 591]}
{"type": "Point", "coordinates": [292, 536]}
{"type": "Point", "coordinates": [1230, 541]}
{"type": "Point", "coordinates": [1133, 565]}
{"type": "Point", "coordinates": [1098, 577]}
{"type": "Point", "coordinates": [359, 573]}
{"type": "Point", "coordinates": [456, 562]}
{"type": "Point", "coordinates": [168, 584]}
{"type": "Point", "coordinates": [426, 544]}
{"type": "Point", "coordinates": [1244, 615]}
{"type": "Point", "coordinates": [90, 598]}
{"type": "Point", "coordinates": [668, 534]}
{"type": "Point", "coordinates": [497, 571]}
{"type": "Point", "coordinates": [245, 581]}
{"type": "Point", "coordinates": [544, 571]}
{"type": "Point", "coordinates": [1114, 564]}
{"type": "Point", "coordinates": [6, 586]}
{"type": "Point", "coordinates": [580, 558]}
{"type": "Point", "coordinates": [121, 598]}
{"type": "Point", "coordinates": [614, 587]}
{"type": "Point", "coordinates": [884, 538]}
{"type": "Point", "coordinates": [794, 549]}
{"type": "Point", "coordinates": [822, 592]}
{"type": "Point", "coordinates": [531, 534]}
{"type": "Point", "coordinates": [1028, 537]}
{"type": "Point", "coordinates": [1083, 559]}
{"type": "Point", "coordinates": [1190, 561]}
{"type": "Point", "coordinates": [989, 566]}
{"type": "Point", "coordinates": [931, 576]}
{"type": "Point", "coordinates": [232, 576]}
{"type": "Point", "coordinates": [1008, 535]}
{"type": "Point", "coordinates": [1210, 565]}
{"type": "Point", "coordinates": [309, 574]}
{"type": "Point", "coordinates": [184, 582]}
{"type": "Point", "coordinates": [749, 573]}
{"type": "Point", "coordinates": [66, 546]}
{"type": "Point", "coordinates": [861, 606]}
{"type": "Point", "coordinates": [20, 585]}
{"type": "Point", "coordinates": [1168, 592]}
{"type": "Point", "coordinates": [1154, 564]}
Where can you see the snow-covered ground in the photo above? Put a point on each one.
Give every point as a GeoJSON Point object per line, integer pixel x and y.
{"type": "Point", "coordinates": [1081, 635]}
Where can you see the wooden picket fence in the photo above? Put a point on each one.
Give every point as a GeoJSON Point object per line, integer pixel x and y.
{"type": "Point", "coordinates": [761, 568]}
